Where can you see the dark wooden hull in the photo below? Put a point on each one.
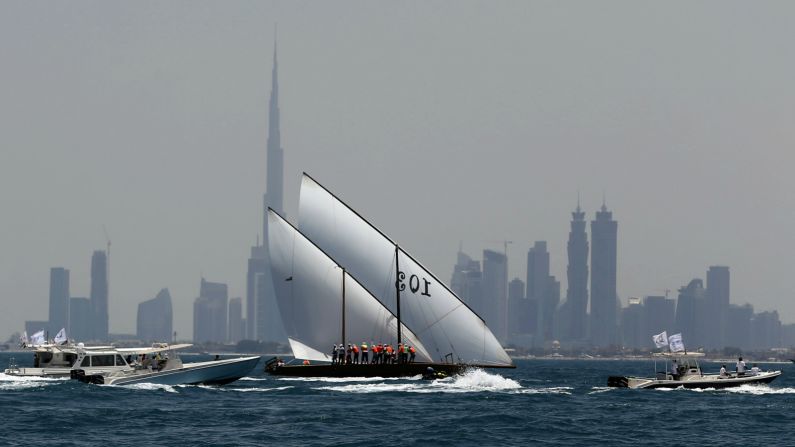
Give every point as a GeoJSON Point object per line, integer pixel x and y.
{"type": "Point", "coordinates": [365, 370]}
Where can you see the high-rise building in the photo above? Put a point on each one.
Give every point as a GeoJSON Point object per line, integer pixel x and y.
{"type": "Point", "coordinates": [59, 299]}
{"type": "Point", "coordinates": [467, 282]}
{"type": "Point", "coordinates": [632, 328]}
{"type": "Point", "coordinates": [264, 320]}
{"type": "Point", "coordinates": [690, 318]}
{"type": "Point", "coordinates": [739, 321]}
{"type": "Point", "coordinates": [717, 301]}
{"type": "Point", "coordinates": [604, 297]}
{"type": "Point", "coordinates": [99, 295]}
{"type": "Point", "coordinates": [544, 290]}
{"type": "Point", "coordinates": [659, 314]}
{"type": "Point", "coordinates": [210, 313]}
{"type": "Point", "coordinates": [519, 313]}
{"type": "Point", "coordinates": [156, 318]}
{"type": "Point", "coordinates": [766, 330]}
{"type": "Point", "coordinates": [576, 314]}
{"type": "Point", "coordinates": [236, 323]}
{"type": "Point", "coordinates": [495, 293]}
{"type": "Point", "coordinates": [80, 316]}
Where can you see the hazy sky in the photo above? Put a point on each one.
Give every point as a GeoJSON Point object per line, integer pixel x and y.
{"type": "Point", "coordinates": [440, 121]}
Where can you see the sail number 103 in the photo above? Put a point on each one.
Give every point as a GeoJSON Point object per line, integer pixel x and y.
{"type": "Point", "coordinates": [415, 284]}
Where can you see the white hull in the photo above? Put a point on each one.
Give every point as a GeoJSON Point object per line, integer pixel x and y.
{"type": "Point", "coordinates": [214, 372]}
{"type": "Point", "coordinates": [696, 381]}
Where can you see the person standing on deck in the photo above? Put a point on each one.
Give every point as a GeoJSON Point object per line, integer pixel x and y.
{"type": "Point", "coordinates": [355, 348]}
{"type": "Point", "coordinates": [348, 353]}
{"type": "Point", "coordinates": [377, 354]}
{"type": "Point", "coordinates": [389, 352]}
{"type": "Point", "coordinates": [334, 355]}
{"type": "Point", "coordinates": [365, 354]}
{"type": "Point", "coordinates": [740, 367]}
{"type": "Point", "coordinates": [412, 353]}
{"type": "Point", "coordinates": [399, 352]}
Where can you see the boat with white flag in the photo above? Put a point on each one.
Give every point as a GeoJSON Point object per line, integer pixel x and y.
{"type": "Point", "coordinates": [684, 370]}
{"type": "Point", "coordinates": [337, 275]}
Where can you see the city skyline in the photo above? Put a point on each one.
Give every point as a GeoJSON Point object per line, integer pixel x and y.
{"type": "Point", "coordinates": [156, 129]}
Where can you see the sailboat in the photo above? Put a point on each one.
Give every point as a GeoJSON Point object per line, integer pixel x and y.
{"type": "Point", "coordinates": [338, 275]}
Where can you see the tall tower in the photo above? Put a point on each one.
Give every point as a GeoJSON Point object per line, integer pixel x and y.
{"type": "Point", "coordinates": [262, 314]}
{"type": "Point", "coordinates": [495, 291]}
{"type": "Point", "coordinates": [99, 295]}
{"type": "Point", "coordinates": [577, 273]}
{"type": "Point", "coordinates": [604, 298]}
{"type": "Point", "coordinates": [717, 296]}
{"type": "Point", "coordinates": [59, 299]}
{"type": "Point", "coordinates": [538, 289]}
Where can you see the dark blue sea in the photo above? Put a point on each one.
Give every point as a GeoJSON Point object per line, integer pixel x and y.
{"type": "Point", "coordinates": [551, 402]}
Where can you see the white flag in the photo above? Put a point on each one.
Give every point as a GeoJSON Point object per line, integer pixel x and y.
{"type": "Point", "coordinates": [37, 338]}
{"type": "Point", "coordinates": [61, 337]}
{"type": "Point", "coordinates": [661, 340]}
{"type": "Point", "coordinates": [675, 343]}
{"type": "Point", "coordinates": [23, 339]}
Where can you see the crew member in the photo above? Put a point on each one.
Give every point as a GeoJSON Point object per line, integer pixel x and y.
{"type": "Point", "coordinates": [348, 353]}
{"type": "Point", "coordinates": [675, 370]}
{"type": "Point", "coordinates": [355, 349]}
{"type": "Point", "coordinates": [740, 367]}
{"type": "Point", "coordinates": [755, 370]}
{"type": "Point", "coordinates": [399, 353]}
{"type": "Point", "coordinates": [412, 354]}
{"type": "Point", "coordinates": [365, 355]}
{"type": "Point", "coordinates": [334, 355]}
{"type": "Point", "coordinates": [388, 354]}
{"type": "Point", "coordinates": [723, 373]}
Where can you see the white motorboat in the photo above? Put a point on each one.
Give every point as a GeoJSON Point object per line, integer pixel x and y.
{"type": "Point", "coordinates": [159, 364]}
{"type": "Point", "coordinates": [685, 372]}
{"type": "Point", "coordinates": [52, 360]}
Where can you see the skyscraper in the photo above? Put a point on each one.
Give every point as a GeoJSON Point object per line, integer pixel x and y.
{"type": "Point", "coordinates": [543, 289]}
{"type": "Point", "coordinates": [236, 322]}
{"type": "Point", "coordinates": [155, 318]}
{"type": "Point", "coordinates": [466, 282]}
{"type": "Point", "coordinates": [604, 297]}
{"type": "Point", "coordinates": [59, 299]}
{"type": "Point", "coordinates": [99, 295]}
{"type": "Point", "coordinates": [718, 296]}
{"type": "Point", "coordinates": [495, 293]}
{"type": "Point", "coordinates": [210, 313]}
{"type": "Point", "coordinates": [577, 274]}
{"type": "Point", "coordinates": [690, 317]}
{"type": "Point", "coordinates": [264, 320]}
{"type": "Point", "coordinates": [80, 316]}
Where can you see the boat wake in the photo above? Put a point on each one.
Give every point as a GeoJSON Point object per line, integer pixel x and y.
{"type": "Point", "coordinates": [148, 387]}
{"type": "Point", "coordinates": [20, 383]}
{"type": "Point", "coordinates": [473, 381]}
{"type": "Point", "coordinates": [346, 379]}
{"type": "Point", "coordinates": [753, 389]}
{"type": "Point", "coordinates": [258, 390]}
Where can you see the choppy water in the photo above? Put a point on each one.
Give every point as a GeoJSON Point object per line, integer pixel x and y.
{"type": "Point", "coordinates": [554, 402]}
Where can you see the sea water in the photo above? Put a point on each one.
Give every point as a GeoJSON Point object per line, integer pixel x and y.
{"type": "Point", "coordinates": [551, 402]}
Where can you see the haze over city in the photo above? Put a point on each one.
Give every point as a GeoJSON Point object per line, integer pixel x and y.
{"type": "Point", "coordinates": [443, 125]}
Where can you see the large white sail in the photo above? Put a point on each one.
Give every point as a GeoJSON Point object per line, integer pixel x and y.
{"type": "Point", "coordinates": [309, 293]}
{"type": "Point", "coordinates": [444, 324]}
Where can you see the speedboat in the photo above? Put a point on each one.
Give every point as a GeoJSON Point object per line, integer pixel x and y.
{"type": "Point", "coordinates": [686, 372]}
{"type": "Point", "coordinates": [164, 367]}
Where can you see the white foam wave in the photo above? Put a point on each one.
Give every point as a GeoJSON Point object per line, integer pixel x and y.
{"type": "Point", "coordinates": [601, 389]}
{"type": "Point", "coordinates": [552, 390]}
{"type": "Point", "coordinates": [248, 390]}
{"type": "Point", "coordinates": [148, 387]}
{"type": "Point", "coordinates": [254, 379]}
{"type": "Point", "coordinates": [10, 382]}
{"type": "Point", "coordinates": [760, 390]}
{"type": "Point", "coordinates": [346, 379]}
{"type": "Point", "coordinates": [473, 381]}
